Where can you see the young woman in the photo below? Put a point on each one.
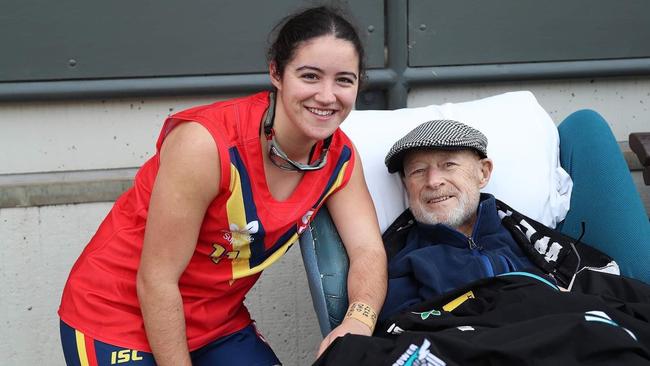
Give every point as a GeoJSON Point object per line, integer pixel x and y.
{"type": "Point", "coordinates": [231, 187]}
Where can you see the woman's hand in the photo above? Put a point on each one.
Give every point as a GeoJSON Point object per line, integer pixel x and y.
{"type": "Point", "coordinates": [347, 326]}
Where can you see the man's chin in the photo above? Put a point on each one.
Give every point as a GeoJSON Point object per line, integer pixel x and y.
{"type": "Point", "coordinates": [430, 218]}
{"type": "Point", "coordinates": [450, 218]}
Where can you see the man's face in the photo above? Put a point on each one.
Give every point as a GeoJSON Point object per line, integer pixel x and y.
{"type": "Point", "coordinates": [444, 186]}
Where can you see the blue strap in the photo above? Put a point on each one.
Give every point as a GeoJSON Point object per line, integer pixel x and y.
{"type": "Point", "coordinates": [531, 275]}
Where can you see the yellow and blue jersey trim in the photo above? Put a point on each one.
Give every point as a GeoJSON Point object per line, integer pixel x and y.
{"type": "Point", "coordinates": [250, 255]}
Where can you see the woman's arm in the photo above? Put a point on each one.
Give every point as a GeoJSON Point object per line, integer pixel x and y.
{"type": "Point", "coordinates": [355, 218]}
{"type": "Point", "coordinates": [187, 181]}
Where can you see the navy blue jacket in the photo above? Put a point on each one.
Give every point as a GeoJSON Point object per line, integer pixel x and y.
{"type": "Point", "coordinates": [437, 258]}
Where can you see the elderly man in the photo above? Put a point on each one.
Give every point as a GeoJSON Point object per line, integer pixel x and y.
{"type": "Point", "coordinates": [453, 234]}
{"type": "Point", "coordinates": [478, 281]}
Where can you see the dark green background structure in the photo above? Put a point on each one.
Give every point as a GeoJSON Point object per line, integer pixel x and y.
{"type": "Point", "coordinates": [89, 39]}
{"type": "Point", "coordinates": [92, 49]}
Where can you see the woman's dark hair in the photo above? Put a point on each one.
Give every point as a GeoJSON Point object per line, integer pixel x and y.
{"type": "Point", "coordinates": [308, 24]}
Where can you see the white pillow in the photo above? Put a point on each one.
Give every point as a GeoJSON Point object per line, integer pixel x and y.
{"type": "Point", "coordinates": [523, 142]}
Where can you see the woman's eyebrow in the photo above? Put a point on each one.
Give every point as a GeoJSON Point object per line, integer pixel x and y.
{"type": "Point", "coordinates": [314, 68]}
{"type": "Point", "coordinates": [347, 73]}
{"type": "Point", "coordinates": [307, 67]}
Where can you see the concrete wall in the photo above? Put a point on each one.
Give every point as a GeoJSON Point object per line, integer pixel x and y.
{"type": "Point", "coordinates": [624, 102]}
{"type": "Point", "coordinates": [39, 244]}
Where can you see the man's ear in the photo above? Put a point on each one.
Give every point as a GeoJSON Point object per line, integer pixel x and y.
{"type": "Point", "coordinates": [276, 79]}
{"type": "Point", "coordinates": [486, 172]}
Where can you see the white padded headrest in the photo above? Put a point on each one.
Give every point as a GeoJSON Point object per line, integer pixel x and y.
{"type": "Point", "coordinates": [523, 142]}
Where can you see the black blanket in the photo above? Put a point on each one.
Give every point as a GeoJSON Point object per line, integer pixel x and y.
{"type": "Point", "coordinates": [513, 319]}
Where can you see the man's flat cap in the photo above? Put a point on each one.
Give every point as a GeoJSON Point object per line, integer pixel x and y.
{"type": "Point", "coordinates": [437, 134]}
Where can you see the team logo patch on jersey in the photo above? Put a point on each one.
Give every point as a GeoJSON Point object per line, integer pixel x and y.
{"type": "Point", "coordinates": [425, 315]}
{"type": "Point", "coordinates": [240, 236]}
{"type": "Point", "coordinates": [394, 329]}
{"type": "Point", "coordinates": [220, 252]}
{"type": "Point", "coordinates": [237, 237]}
{"type": "Point", "coordinates": [304, 221]}
{"type": "Point", "coordinates": [419, 356]}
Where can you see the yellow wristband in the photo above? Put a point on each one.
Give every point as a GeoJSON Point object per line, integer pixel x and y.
{"type": "Point", "coordinates": [363, 313]}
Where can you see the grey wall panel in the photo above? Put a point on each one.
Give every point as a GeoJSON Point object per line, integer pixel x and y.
{"type": "Point", "coordinates": [42, 40]}
{"type": "Point", "coordinates": [472, 32]}
{"type": "Point", "coordinates": [369, 17]}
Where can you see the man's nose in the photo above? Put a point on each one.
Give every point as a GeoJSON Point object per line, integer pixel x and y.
{"type": "Point", "coordinates": [434, 178]}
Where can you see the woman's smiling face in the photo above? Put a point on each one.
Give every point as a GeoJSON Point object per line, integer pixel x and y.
{"type": "Point", "coordinates": [317, 89]}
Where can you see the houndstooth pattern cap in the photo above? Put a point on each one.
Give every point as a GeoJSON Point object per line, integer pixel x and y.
{"type": "Point", "coordinates": [436, 134]}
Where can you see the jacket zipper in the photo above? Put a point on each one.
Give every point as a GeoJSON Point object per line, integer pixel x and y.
{"type": "Point", "coordinates": [472, 243]}
{"type": "Point", "coordinates": [476, 250]}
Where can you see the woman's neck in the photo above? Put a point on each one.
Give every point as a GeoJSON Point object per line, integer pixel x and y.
{"type": "Point", "coordinates": [296, 149]}
{"type": "Point", "coordinates": [296, 145]}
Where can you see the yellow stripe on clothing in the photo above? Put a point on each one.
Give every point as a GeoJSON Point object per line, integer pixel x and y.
{"type": "Point", "coordinates": [453, 304]}
{"type": "Point", "coordinates": [237, 216]}
{"type": "Point", "coordinates": [81, 348]}
{"type": "Point", "coordinates": [337, 183]}
{"type": "Point", "coordinates": [235, 204]}
{"type": "Point", "coordinates": [268, 261]}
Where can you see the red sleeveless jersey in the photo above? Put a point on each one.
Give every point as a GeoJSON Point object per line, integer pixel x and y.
{"type": "Point", "coordinates": [244, 231]}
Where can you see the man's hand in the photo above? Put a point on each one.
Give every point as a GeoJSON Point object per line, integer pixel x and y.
{"type": "Point", "coordinates": [349, 325]}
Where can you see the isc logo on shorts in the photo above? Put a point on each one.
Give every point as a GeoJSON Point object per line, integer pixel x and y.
{"type": "Point", "coordinates": [124, 356]}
